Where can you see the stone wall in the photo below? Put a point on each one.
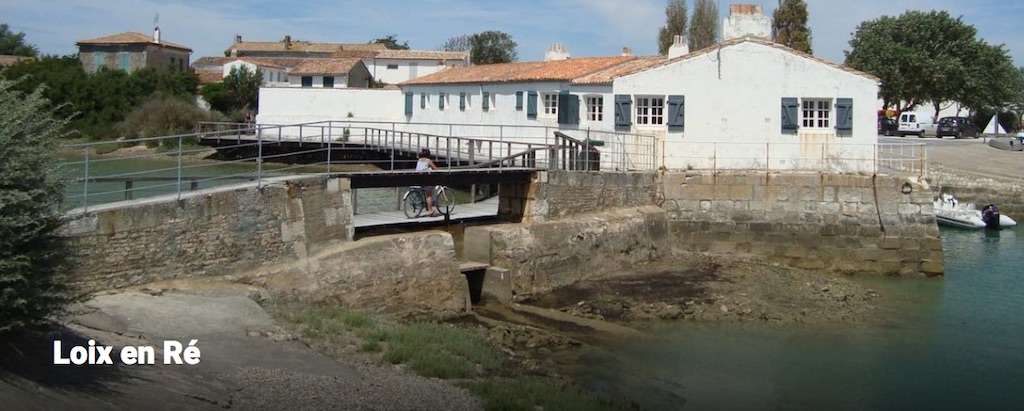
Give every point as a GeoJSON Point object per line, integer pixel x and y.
{"type": "Point", "coordinates": [209, 232]}
{"type": "Point", "coordinates": [408, 273]}
{"type": "Point", "coordinates": [849, 224]}
{"type": "Point", "coordinates": [543, 255]}
{"type": "Point", "coordinates": [979, 189]}
{"type": "Point", "coordinates": [560, 194]}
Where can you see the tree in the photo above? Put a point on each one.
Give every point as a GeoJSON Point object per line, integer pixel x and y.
{"type": "Point", "coordinates": [488, 47]}
{"type": "Point", "coordinates": [703, 25]}
{"type": "Point", "coordinates": [789, 25]}
{"type": "Point", "coordinates": [932, 58]}
{"type": "Point", "coordinates": [675, 24]}
{"type": "Point", "coordinates": [391, 42]}
{"type": "Point", "coordinates": [1016, 104]}
{"type": "Point", "coordinates": [33, 255]}
{"type": "Point", "coordinates": [13, 44]}
{"type": "Point", "coordinates": [243, 87]}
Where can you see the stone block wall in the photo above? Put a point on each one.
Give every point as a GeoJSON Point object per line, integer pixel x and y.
{"type": "Point", "coordinates": [560, 194]}
{"type": "Point", "coordinates": [849, 224]}
{"type": "Point", "coordinates": [543, 255]}
{"type": "Point", "coordinates": [209, 232]}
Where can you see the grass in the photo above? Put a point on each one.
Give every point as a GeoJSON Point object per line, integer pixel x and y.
{"type": "Point", "coordinates": [445, 351]}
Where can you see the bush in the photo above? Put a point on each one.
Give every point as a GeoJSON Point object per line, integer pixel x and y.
{"type": "Point", "coordinates": [33, 256]}
{"type": "Point", "coordinates": [162, 115]}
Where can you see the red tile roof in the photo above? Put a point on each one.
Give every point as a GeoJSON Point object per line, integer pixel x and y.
{"type": "Point", "coordinates": [422, 55]}
{"type": "Point", "coordinates": [209, 77]}
{"type": "Point", "coordinates": [129, 37]}
{"type": "Point", "coordinates": [260, 62]}
{"type": "Point", "coordinates": [325, 66]}
{"type": "Point", "coordinates": [558, 70]}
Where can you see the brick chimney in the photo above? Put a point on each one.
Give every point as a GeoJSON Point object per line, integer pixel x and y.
{"type": "Point", "coordinates": [679, 47]}
{"type": "Point", "coordinates": [746, 20]}
{"type": "Point", "coordinates": [238, 38]}
{"type": "Point", "coordinates": [287, 42]}
{"type": "Point", "coordinates": [557, 52]}
{"type": "Point", "coordinates": [156, 35]}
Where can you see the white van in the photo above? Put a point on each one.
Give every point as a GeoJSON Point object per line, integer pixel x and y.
{"type": "Point", "coordinates": [916, 123]}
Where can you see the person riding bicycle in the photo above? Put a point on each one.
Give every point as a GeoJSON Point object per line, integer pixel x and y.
{"type": "Point", "coordinates": [424, 164]}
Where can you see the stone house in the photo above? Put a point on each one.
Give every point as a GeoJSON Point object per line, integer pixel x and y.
{"type": "Point", "coordinates": [131, 51]}
{"type": "Point", "coordinates": [396, 66]}
{"type": "Point", "coordinates": [287, 48]}
{"type": "Point", "coordinates": [330, 73]}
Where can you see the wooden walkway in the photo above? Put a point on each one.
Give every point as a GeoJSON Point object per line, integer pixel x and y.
{"type": "Point", "coordinates": [486, 208]}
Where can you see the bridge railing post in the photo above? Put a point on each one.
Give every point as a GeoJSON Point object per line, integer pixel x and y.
{"type": "Point", "coordinates": [85, 182]}
{"type": "Point", "coordinates": [259, 160]}
{"type": "Point", "coordinates": [177, 187]}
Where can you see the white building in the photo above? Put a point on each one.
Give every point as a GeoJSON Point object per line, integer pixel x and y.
{"type": "Point", "coordinates": [396, 66]}
{"type": "Point", "coordinates": [273, 74]}
{"type": "Point", "coordinates": [330, 73]}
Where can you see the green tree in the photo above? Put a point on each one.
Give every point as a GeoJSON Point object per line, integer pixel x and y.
{"type": "Point", "coordinates": [243, 87]}
{"type": "Point", "coordinates": [675, 24]}
{"type": "Point", "coordinates": [1016, 104]}
{"type": "Point", "coordinates": [703, 25]}
{"type": "Point", "coordinates": [789, 25]}
{"type": "Point", "coordinates": [932, 58]}
{"type": "Point", "coordinates": [488, 47]}
{"type": "Point", "coordinates": [391, 42]}
{"type": "Point", "coordinates": [33, 256]}
{"type": "Point", "coordinates": [216, 94]}
{"type": "Point", "coordinates": [13, 44]}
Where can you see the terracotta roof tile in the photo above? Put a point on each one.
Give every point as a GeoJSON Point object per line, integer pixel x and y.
{"type": "Point", "coordinates": [260, 62]}
{"type": "Point", "coordinates": [355, 54]}
{"type": "Point", "coordinates": [129, 37]}
{"type": "Point", "coordinates": [422, 55]}
{"type": "Point", "coordinates": [209, 77]}
{"type": "Point", "coordinates": [6, 60]}
{"type": "Point", "coordinates": [325, 66]}
{"type": "Point", "coordinates": [304, 46]}
{"type": "Point", "coordinates": [559, 70]}
{"type": "Point", "coordinates": [605, 76]}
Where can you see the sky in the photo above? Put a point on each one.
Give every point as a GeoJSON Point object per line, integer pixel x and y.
{"type": "Point", "coordinates": [585, 27]}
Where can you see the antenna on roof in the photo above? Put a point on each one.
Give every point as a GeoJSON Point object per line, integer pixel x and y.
{"type": "Point", "coordinates": [156, 20]}
{"type": "Point", "coordinates": [156, 28]}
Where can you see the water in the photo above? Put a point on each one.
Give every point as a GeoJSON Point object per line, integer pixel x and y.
{"type": "Point", "coordinates": [956, 344]}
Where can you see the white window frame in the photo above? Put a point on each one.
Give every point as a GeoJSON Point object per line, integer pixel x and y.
{"type": "Point", "coordinates": [650, 111]}
{"type": "Point", "coordinates": [816, 113]}
{"type": "Point", "coordinates": [595, 108]}
{"type": "Point", "coordinates": [549, 105]}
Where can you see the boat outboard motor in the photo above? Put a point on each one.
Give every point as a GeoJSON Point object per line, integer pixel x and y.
{"type": "Point", "coordinates": [990, 215]}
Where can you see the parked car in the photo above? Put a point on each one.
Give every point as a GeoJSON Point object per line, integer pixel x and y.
{"type": "Point", "coordinates": [888, 126]}
{"type": "Point", "coordinates": [958, 127]}
{"type": "Point", "coordinates": [916, 123]}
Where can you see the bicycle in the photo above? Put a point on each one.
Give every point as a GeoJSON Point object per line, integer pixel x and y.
{"type": "Point", "coordinates": [414, 202]}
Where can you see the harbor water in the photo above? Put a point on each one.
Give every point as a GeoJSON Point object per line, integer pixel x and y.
{"type": "Point", "coordinates": [955, 343]}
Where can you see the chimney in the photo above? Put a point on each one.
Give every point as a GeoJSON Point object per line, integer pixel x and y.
{"type": "Point", "coordinates": [557, 52]}
{"type": "Point", "coordinates": [626, 51]}
{"type": "Point", "coordinates": [746, 20]}
{"type": "Point", "coordinates": [287, 42]}
{"type": "Point", "coordinates": [238, 38]}
{"type": "Point", "coordinates": [156, 35]}
{"type": "Point", "coordinates": [679, 47]}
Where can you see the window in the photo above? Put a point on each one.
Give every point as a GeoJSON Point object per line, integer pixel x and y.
{"type": "Point", "coordinates": [181, 64]}
{"type": "Point", "coordinates": [550, 104]}
{"type": "Point", "coordinates": [441, 98]}
{"type": "Point", "coordinates": [816, 113]}
{"type": "Point", "coordinates": [595, 108]}
{"type": "Point", "coordinates": [392, 67]}
{"type": "Point", "coordinates": [519, 100]}
{"type": "Point", "coordinates": [307, 81]}
{"type": "Point", "coordinates": [124, 61]}
{"type": "Point", "coordinates": [98, 61]}
{"type": "Point", "coordinates": [328, 82]}
{"type": "Point", "coordinates": [172, 63]}
{"type": "Point", "coordinates": [650, 110]}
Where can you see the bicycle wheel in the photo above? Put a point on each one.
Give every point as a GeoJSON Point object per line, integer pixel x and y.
{"type": "Point", "coordinates": [445, 200]}
{"type": "Point", "coordinates": [413, 203]}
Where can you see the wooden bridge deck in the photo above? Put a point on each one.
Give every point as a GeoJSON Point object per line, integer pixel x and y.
{"type": "Point", "coordinates": [486, 208]}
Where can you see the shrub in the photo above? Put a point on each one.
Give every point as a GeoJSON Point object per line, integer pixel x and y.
{"type": "Point", "coordinates": [162, 115]}
{"type": "Point", "coordinates": [33, 256]}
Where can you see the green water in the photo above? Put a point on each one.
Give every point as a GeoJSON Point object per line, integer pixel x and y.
{"type": "Point", "coordinates": [955, 344]}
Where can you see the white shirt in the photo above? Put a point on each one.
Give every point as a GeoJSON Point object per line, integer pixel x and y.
{"type": "Point", "coordinates": [423, 164]}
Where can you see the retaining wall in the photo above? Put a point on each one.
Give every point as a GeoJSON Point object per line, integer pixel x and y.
{"type": "Point", "coordinates": [848, 224]}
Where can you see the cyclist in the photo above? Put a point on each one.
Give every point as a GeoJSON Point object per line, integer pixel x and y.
{"type": "Point", "coordinates": [425, 164]}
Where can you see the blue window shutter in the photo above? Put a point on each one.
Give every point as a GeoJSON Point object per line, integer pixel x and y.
{"type": "Point", "coordinates": [486, 104]}
{"type": "Point", "coordinates": [531, 104]}
{"type": "Point", "coordinates": [623, 110]}
{"type": "Point", "coordinates": [519, 100]}
{"type": "Point", "coordinates": [676, 112]}
{"type": "Point", "coordinates": [408, 103]}
{"type": "Point", "coordinates": [790, 115]}
{"type": "Point", "coordinates": [574, 109]}
{"type": "Point", "coordinates": [440, 100]}
{"type": "Point", "coordinates": [563, 107]}
{"type": "Point", "coordinates": [844, 115]}
{"type": "Point", "coordinates": [423, 100]}
{"type": "Point", "coordinates": [462, 101]}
